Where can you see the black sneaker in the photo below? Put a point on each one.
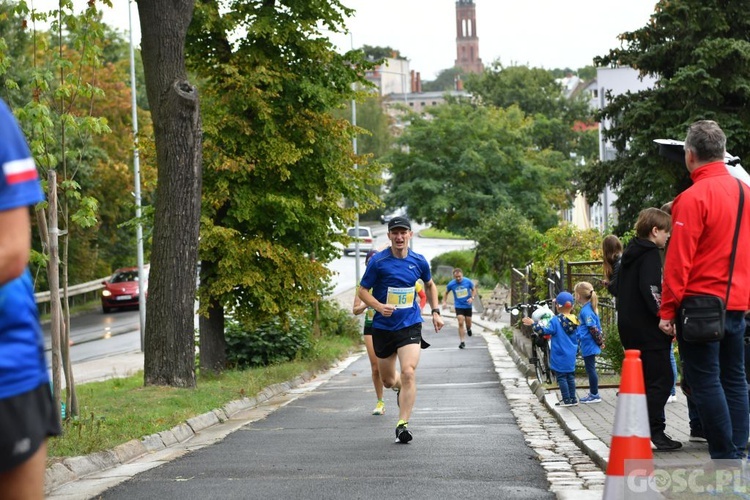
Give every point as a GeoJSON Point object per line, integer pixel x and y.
{"type": "Point", "coordinates": [403, 435]}
{"type": "Point", "coordinates": [468, 332]}
{"type": "Point", "coordinates": [697, 436]}
{"type": "Point", "coordinates": [461, 345]}
{"type": "Point", "coordinates": [665, 443]}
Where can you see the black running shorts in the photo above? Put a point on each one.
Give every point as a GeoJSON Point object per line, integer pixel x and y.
{"type": "Point", "coordinates": [460, 311]}
{"type": "Point", "coordinates": [367, 330]}
{"type": "Point", "coordinates": [387, 342]}
{"type": "Point", "coordinates": [26, 421]}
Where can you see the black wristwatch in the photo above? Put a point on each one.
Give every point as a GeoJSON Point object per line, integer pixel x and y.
{"type": "Point", "coordinates": [436, 311]}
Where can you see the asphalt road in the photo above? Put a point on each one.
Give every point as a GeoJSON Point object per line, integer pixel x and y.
{"type": "Point", "coordinates": [325, 444]}
{"type": "Point", "coordinates": [96, 335]}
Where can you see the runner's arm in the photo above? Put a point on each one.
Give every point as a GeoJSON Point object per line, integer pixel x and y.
{"type": "Point", "coordinates": [15, 243]}
{"type": "Point", "coordinates": [430, 289]}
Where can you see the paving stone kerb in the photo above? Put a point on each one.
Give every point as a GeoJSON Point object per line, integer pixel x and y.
{"type": "Point", "coordinates": [590, 426]}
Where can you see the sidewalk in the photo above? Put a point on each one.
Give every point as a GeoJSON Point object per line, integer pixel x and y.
{"type": "Point", "coordinates": [591, 425]}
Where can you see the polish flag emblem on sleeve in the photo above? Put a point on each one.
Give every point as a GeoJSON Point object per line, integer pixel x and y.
{"type": "Point", "coordinates": [18, 171]}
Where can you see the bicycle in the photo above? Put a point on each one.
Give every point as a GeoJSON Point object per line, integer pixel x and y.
{"type": "Point", "coordinates": [539, 343]}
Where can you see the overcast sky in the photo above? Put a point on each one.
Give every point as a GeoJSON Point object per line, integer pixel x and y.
{"type": "Point", "coordinates": [543, 33]}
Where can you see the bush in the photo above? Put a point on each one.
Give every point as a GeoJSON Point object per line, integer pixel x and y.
{"type": "Point", "coordinates": [613, 352]}
{"type": "Point", "coordinates": [482, 275]}
{"type": "Point", "coordinates": [282, 339]}
{"type": "Point", "coordinates": [336, 321]}
{"type": "Point", "coordinates": [456, 258]}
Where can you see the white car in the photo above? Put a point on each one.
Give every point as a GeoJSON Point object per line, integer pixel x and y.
{"type": "Point", "coordinates": [386, 217]}
{"type": "Point", "coordinates": [366, 240]}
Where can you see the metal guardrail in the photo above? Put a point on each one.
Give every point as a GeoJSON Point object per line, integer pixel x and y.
{"type": "Point", "coordinates": [78, 294]}
{"type": "Point", "coordinates": [90, 286]}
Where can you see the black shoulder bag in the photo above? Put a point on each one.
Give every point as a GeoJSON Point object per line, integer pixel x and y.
{"type": "Point", "coordinates": [701, 317]}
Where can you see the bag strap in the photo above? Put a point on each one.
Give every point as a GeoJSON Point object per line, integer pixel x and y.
{"type": "Point", "coordinates": [734, 241]}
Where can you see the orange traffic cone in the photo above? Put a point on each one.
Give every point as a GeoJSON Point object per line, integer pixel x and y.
{"type": "Point", "coordinates": [631, 436]}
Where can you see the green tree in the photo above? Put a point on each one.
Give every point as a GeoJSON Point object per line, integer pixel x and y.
{"type": "Point", "coordinates": [374, 137]}
{"type": "Point", "coordinates": [278, 164]}
{"type": "Point", "coordinates": [700, 54]}
{"type": "Point", "coordinates": [504, 239]}
{"type": "Point", "coordinates": [462, 162]}
{"type": "Point", "coordinates": [539, 95]}
{"type": "Point", "coordinates": [377, 53]}
{"type": "Point", "coordinates": [445, 81]}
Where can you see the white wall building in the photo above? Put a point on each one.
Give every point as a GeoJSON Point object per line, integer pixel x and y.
{"type": "Point", "coordinates": [601, 214]}
{"type": "Point", "coordinates": [615, 81]}
{"type": "Point", "coordinates": [391, 77]}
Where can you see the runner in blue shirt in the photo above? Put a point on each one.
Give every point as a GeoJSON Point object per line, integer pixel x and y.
{"type": "Point", "coordinates": [464, 293]}
{"type": "Point", "coordinates": [388, 287]}
{"type": "Point", "coordinates": [27, 415]}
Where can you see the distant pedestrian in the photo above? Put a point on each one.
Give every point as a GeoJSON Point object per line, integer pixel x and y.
{"type": "Point", "coordinates": [590, 337]}
{"type": "Point", "coordinates": [638, 303]}
{"type": "Point", "coordinates": [464, 293]}
{"type": "Point", "coordinates": [611, 254]}
{"type": "Point", "coordinates": [563, 346]}
{"type": "Point", "coordinates": [698, 263]}
{"type": "Point", "coordinates": [397, 323]}
{"type": "Point", "coordinates": [27, 415]}
{"type": "Point", "coordinates": [358, 308]}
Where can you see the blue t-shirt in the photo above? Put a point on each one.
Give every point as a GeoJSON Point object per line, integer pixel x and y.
{"type": "Point", "coordinates": [393, 281]}
{"type": "Point", "coordinates": [461, 292]}
{"type": "Point", "coordinates": [563, 343]}
{"type": "Point", "coordinates": [22, 363]}
{"type": "Point", "coordinates": [588, 318]}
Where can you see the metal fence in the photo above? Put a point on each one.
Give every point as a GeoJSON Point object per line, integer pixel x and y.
{"type": "Point", "coordinates": [78, 294]}
{"type": "Point", "coordinates": [522, 290]}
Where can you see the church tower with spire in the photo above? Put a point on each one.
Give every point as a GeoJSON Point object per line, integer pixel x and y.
{"type": "Point", "coordinates": [467, 42]}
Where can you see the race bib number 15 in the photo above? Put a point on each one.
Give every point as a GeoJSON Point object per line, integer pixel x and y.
{"type": "Point", "coordinates": [402, 298]}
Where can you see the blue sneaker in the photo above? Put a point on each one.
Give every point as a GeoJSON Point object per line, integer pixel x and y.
{"type": "Point", "coordinates": [591, 399]}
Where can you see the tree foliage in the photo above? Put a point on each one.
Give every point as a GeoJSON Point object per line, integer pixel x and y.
{"type": "Point", "coordinates": [462, 162]}
{"type": "Point", "coordinates": [537, 93]}
{"type": "Point", "coordinates": [700, 54]}
{"type": "Point", "coordinates": [278, 164]}
{"type": "Point", "coordinates": [505, 238]}
{"type": "Point", "coordinates": [377, 53]}
{"type": "Point", "coordinates": [445, 81]}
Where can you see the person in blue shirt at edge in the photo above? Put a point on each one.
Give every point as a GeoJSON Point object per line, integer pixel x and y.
{"type": "Point", "coordinates": [388, 286]}
{"type": "Point", "coordinates": [590, 336]}
{"type": "Point", "coordinates": [563, 346]}
{"type": "Point", "coordinates": [27, 415]}
{"type": "Point", "coordinates": [464, 293]}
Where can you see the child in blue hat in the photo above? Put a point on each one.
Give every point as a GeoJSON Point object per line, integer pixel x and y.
{"type": "Point", "coordinates": [563, 346]}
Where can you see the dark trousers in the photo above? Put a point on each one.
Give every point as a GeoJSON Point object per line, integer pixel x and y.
{"type": "Point", "coordinates": [658, 379]}
{"type": "Point", "coordinates": [716, 372]}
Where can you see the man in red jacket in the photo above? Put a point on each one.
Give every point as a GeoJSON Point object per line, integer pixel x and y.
{"type": "Point", "coordinates": [697, 263]}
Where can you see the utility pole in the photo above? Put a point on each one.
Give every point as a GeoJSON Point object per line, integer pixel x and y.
{"type": "Point", "coordinates": [137, 182]}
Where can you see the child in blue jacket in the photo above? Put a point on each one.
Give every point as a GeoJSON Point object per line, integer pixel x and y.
{"type": "Point", "coordinates": [590, 337]}
{"type": "Point", "coordinates": [563, 346]}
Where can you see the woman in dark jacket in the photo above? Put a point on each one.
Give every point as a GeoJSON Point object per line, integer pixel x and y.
{"type": "Point", "coordinates": [638, 302]}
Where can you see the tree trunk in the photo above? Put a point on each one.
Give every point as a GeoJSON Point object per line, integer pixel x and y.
{"type": "Point", "coordinates": [169, 353]}
{"type": "Point", "coordinates": [213, 344]}
{"type": "Point", "coordinates": [53, 276]}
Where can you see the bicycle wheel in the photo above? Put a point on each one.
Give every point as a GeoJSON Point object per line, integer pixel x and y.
{"type": "Point", "coordinates": [539, 358]}
{"type": "Point", "coordinates": [544, 362]}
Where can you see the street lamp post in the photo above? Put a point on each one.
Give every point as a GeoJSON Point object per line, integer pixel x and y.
{"type": "Point", "coordinates": [137, 182]}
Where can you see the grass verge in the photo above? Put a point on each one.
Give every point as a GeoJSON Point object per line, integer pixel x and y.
{"type": "Point", "coordinates": [118, 410]}
{"type": "Point", "coordinates": [438, 233]}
